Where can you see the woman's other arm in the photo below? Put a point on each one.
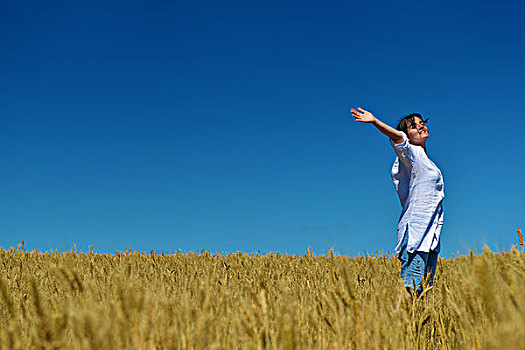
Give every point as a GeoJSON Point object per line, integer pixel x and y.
{"type": "Point", "coordinates": [363, 116]}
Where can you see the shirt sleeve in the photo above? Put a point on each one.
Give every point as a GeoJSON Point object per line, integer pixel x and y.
{"type": "Point", "coordinates": [403, 150]}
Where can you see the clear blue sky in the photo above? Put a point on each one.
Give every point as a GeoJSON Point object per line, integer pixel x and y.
{"type": "Point", "coordinates": [225, 125]}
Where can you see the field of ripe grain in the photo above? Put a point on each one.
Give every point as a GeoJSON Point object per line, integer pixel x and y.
{"type": "Point", "coordinates": [238, 301]}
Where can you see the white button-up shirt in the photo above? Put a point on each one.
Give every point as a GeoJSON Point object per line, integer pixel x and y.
{"type": "Point", "coordinates": [419, 185]}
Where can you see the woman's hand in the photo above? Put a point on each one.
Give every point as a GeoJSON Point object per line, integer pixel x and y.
{"type": "Point", "coordinates": [366, 117]}
{"type": "Point", "coordinates": [363, 116]}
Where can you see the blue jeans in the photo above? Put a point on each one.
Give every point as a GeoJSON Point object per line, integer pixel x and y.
{"type": "Point", "coordinates": [416, 266]}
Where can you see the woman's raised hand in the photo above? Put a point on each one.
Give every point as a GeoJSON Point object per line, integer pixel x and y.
{"type": "Point", "coordinates": [366, 117]}
{"type": "Point", "coordinates": [363, 116]}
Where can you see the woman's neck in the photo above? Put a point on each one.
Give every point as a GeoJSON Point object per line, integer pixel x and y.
{"type": "Point", "coordinates": [423, 145]}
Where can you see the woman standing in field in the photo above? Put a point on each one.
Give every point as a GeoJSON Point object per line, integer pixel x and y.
{"type": "Point", "coordinates": [419, 185]}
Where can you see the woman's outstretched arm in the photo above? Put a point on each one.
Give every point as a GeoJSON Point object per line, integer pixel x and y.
{"type": "Point", "coordinates": [366, 117]}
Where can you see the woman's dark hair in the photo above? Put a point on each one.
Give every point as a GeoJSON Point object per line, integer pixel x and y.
{"type": "Point", "coordinates": [409, 121]}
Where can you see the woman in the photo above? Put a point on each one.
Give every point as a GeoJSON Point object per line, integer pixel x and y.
{"type": "Point", "coordinates": [419, 185]}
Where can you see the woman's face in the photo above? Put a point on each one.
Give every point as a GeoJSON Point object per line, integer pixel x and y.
{"type": "Point", "coordinates": [418, 132]}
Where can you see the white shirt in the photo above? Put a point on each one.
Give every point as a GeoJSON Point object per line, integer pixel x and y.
{"type": "Point", "coordinates": [419, 185]}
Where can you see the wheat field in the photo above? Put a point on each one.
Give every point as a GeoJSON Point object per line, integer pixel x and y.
{"type": "Point", "coordinates": [200, 300]}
